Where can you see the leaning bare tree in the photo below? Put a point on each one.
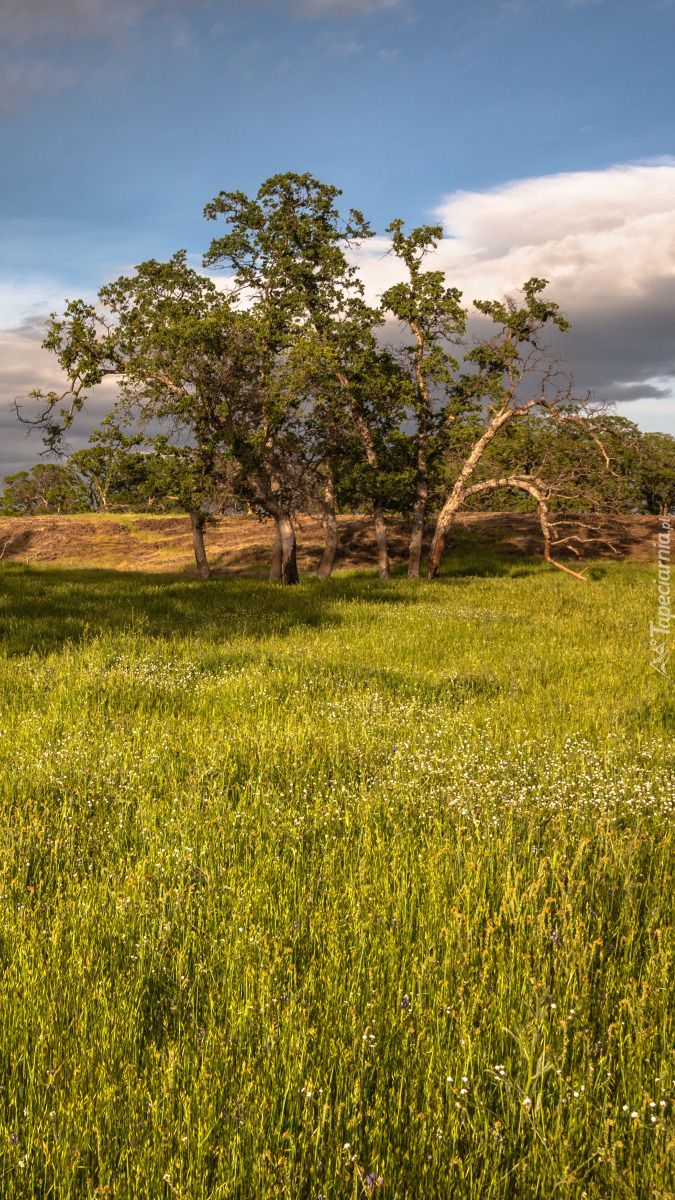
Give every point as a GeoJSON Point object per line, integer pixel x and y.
{"type": "Point", "coordinates": [574, 465]}
{"type": "Point", "coordinates": [511, 377]}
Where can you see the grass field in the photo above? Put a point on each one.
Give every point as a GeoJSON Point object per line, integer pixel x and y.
{"type": "Point", "coordinates": [348, 890]}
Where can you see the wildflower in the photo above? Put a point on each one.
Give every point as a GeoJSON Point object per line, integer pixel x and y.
{"type": "Point", "coordinates": [527, 1102]}
{"type": "Point", "coordinates": [634, 1116]}
{"type": "Point", "coordinates": [406, 1003]}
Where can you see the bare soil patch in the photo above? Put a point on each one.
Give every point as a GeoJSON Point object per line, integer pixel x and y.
{"type": "Point", "coordinates": [242, 545]}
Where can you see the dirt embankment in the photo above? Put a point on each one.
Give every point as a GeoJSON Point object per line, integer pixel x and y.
{"type": "Point", "coordinates": [242, 545]}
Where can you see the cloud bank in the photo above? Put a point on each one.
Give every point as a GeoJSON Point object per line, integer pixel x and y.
{"type": "Point", "coordinates": [605, 240]}
{"type": "Point", "coordinates": [23, 366]}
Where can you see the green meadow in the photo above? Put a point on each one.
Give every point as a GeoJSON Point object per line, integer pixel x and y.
{"type": "Point", "coordinates": [344, 890]}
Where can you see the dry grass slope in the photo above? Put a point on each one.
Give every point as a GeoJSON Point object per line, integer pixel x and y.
{"type": "Point", "coordinates": [241, 545]}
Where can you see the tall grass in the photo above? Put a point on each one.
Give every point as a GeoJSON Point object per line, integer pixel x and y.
{"type": "Point", "coordinates": [343, 890]}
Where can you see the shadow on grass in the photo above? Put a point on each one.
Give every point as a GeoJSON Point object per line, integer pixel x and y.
{"type": "Point", "coordinates": [42, 609]}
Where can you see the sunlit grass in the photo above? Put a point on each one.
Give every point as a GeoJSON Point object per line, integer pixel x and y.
{"type": "Point", "coordinates": [343, 890]}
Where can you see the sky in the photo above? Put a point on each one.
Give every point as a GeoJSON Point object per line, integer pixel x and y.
{"type": "Point", "coordinates": [541, 133]}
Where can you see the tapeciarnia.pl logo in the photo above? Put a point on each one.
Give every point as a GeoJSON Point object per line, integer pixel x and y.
{"type": "Point", "coordinates": [659, 632]}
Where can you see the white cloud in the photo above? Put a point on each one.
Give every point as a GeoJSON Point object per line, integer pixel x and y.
{"type": "Point", "coordinates": [614, 228]}
{"type": "Point", "coordinates": [605, 240]}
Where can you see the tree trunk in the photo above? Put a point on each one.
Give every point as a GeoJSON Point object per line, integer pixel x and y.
{"type": "Point", "coordinates": [419, 511]}
{"type": "Point", "coordinates": [276, 563]}
{"type": "Point", "coordinates": [535, 488]}
{"type": "Point", "coordinates": [416, 536]}
{"type": "Point", "coordinates": [443, 527]}
{"type": "Point", "coordinates": [330, 527]}
{"type": "Point", "coordinates": [284, 566]}
{"type": "Point", "coordinates": [198, 521]}
{"type": "Point", "coordinates": [285, 535]}
{"type": "Point", "coordinates": [381, 536]}
{"type": "Point", "coordinates": [456, 497]}
{"type": "Point", "coordinates": [378, 510]}
{"type": "Point", "coordinates": [422, 479]}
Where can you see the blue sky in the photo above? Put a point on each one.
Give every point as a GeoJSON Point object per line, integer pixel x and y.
{"type": "Point", "coordinates": [119, 120]}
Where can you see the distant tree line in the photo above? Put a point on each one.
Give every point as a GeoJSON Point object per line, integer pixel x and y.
{"type": "Point", "coordinates": [119, 473]}
{"type": "Point", "coordinates": [285, 391]}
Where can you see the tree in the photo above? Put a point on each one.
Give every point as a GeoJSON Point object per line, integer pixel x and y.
{"type": "Point", "coordinates": [183, 360]}
{"type": "Point", "coordinates": [353, 429]}
{"type": "Point", "coordinates": [187, 359]}
{"type": "Point", "coordinates": [111, 469]}
{"type": "Point", "coordinates": [46, 488]}
{"type": "Point", "coordinates": [434, 316]}
{"type": "Point", "coordinates": [657, 473]}
{"type": "Point", "coordinates": [285, 249]}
